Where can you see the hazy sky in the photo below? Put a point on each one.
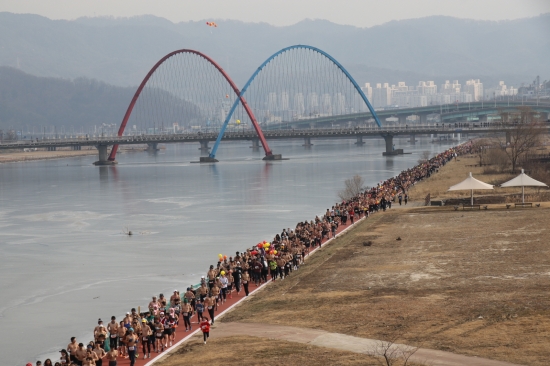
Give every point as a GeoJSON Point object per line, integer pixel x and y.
{"type": "Point", "coordinates": [362, 13]}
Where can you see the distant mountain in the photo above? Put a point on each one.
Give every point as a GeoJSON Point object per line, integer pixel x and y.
{"type": "Point", "coordinates": [121, 51]}
{"type": "Point", "coordinates": [72, 106]}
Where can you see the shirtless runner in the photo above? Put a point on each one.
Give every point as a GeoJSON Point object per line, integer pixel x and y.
{"type": "Point", "coordinates": [112, 356]}
{"type": "Point", "coordinates": [72, 347]}
{"type": "Point", "coordinates": [112, 327]}
{"type": "Point", "coordinates": [131, 340]}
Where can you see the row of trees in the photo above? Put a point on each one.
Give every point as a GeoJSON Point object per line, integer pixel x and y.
{"type": "Point", "coordinates": [525, 133]}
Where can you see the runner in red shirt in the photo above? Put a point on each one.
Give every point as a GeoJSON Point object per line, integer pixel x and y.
{"type": "Point", "coordinates": [205, 327]}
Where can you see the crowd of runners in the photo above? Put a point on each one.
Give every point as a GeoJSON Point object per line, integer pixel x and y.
{"type": "Point", "coordinates": [141, 334]}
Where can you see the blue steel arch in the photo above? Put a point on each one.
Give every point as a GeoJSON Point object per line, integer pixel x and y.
{"type": "Point", "coordinates": [245, 88]}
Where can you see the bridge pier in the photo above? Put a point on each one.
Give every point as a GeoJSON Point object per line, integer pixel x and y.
{"type": "Point", "coordinates": [152, 147]}
{"type": "Point", "coordinates": [307, 142]}
{"type": "Point", "coordinates": [390, 149]}
{"type": "Point", "coordinates": [76, 148]}
{"type": "Point", "coordinates": [423, 119]}
{"type": "Point", "coordinates": [273, 157]}
{"type": "Point", "coordinates": [51, 148]}
{"type": "Point", "coordinates": [402, 119]}
{"type": "Point", "coordinates": [103, 156]}
{"type": "Point", "coordinates": [204, 145]}
{"type": "Point", "coordinates": [255, 144]}
{"type": "Point", "coordinates": [508, 137]}
{"type": "Point", "coordinates": [359, 141]}
{"type": "Point", "coordinates": [412, 139]}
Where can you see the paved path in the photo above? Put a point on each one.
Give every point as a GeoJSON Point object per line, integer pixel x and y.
{"type": "Point", "coordinates": [344, 342]}
{"type": "Point", "coordinates": [182, 336]}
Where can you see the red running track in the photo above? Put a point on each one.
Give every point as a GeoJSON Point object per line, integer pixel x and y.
{"type": "Point", "coordinates": [182, 335]}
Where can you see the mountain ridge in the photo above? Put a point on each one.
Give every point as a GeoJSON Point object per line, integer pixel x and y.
{"type": "Point", "coordinates": [120, 51]}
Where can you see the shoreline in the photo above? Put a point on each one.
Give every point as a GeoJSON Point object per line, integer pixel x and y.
{"type": "Point", "coordinates": [20, 156]}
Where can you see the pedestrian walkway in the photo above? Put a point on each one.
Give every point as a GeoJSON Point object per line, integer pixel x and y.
{"type": "Point", "coordinates": [344, 342]}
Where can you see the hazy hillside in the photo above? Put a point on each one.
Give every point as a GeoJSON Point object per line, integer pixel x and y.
{"type": "Point", "coordinates": [120, 51]}
{"type": "Point", "coordinates": [28, 101]}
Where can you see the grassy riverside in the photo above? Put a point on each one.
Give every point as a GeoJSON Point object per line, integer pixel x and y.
{"type": "Point", "coordinates": [473, 283]}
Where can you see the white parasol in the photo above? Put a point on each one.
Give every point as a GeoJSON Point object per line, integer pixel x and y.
{"type": "Point", "coordinates": [470, 184]}
{"type": "Point", "coordinates": [523, 180]}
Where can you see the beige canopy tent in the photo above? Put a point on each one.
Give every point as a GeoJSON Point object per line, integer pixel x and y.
{"type": "Point", "coordinates": [523, 180]}
{"type": "Point", "coordinates": [470, 184]}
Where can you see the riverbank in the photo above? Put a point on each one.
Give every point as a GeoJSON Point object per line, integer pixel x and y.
{"type": "Point", "coordinates": [19, 156]}
{"type": "Point", "coordinates": [471, 283]}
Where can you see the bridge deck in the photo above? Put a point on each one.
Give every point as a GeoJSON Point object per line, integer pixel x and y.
{"type": "Point", "coordinates": [251, 135]}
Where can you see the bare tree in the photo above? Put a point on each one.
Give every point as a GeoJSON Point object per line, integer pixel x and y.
{"type": "Point", "coordinates": [391, 353]}
{"type": "Point", "coordinates": [523, 132]}
{"type": "Point", "coordinates": [424, 157]}
{"type": "Point", "coordinates": [479, 148]}
{"type": "Point", "coordinates": [354, 186]}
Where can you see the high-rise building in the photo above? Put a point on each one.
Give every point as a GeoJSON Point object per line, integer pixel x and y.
{"type": "Point", "coordinates": [313, 103]}
{"type": "Point", "coordinates": [475, 88]}
{"type": "Point", "coordinates": [284, 101]}
{"type": "Point", "coordinates": [339, 103]}
{"type": "Point", "coordinates": [449, 88]}
{"type": "Point", "coordinates": [381, 95]}
{"type": "Point", "coordinates": [272, 102]}
{"type": "Point", "coordinates": [367, 90]}
{"type": "Point", "coordinates": [499, 91]}
{"type": "Point", "coordinates": [426, 87]}
{"type": "Point", "coordinates": [299, 104]}
{"type": "Point", "coordinates": [326, 104]}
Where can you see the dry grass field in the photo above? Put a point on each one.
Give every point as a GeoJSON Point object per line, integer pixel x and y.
{"type": "Point", "coordinates": [473, 283]}
{"type": "Point", "coordinates": [242, 350]}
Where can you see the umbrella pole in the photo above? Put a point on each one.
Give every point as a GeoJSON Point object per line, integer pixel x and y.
{"type": "Point", "coordinates": [522, 194]}
{"type": "Point", "coordinates": [472, 198]}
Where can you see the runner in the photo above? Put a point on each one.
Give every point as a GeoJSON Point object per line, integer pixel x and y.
{"type": "Point", "coordinates": [80, 354]}
{"type": "Point", "coordinates": [245, 280]}
{"type": "Point", "coordinates": [215, 294]}
{"type": "Point", "coordinates": [237, 274]}
{"type": "Point", "coordinates": [175, 299]}
{"type": "Point", "coordinates": [112, 356]}
{"type": "Point", "coordinates": [205, 327]}
{"type": "Point", "coordinates": [99, 354]}
{"type": "Point", "coordinates": [187, 311]}
{"type": "Point", "coordinates": [200, 309]}
{"type": "Point", "coordinates": [224, 282]}
{"type": "Point", "coordinates": [112, 327]}
{"type": "Point", "coordinates": [154, 306]}
{"type": "Point", "coordinates": [209, 303]}
{"type": "Point", "coordinates": [72, 347]}
{"type": "Point", "coordinates": [131, 341]}
{"type": "Point", "coordinates": [203, 291]}
{"type": "Point", "coordinates": [144, 336]}
{"type": "Point", "coordinates": [121, 333]}
{"type": "Point", "coordinates": [99, 330]}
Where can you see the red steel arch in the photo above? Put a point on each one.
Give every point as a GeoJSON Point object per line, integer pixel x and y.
{"type": "Point", "coordinates": [225, 75]}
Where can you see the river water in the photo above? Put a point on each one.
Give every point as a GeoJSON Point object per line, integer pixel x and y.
{"type": "Point", "coordinates": [66, 260]}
